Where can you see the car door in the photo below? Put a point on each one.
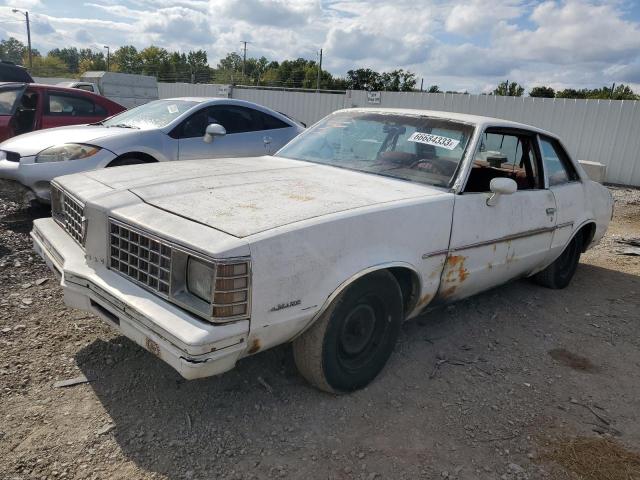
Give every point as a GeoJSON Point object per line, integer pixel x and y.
{"type": "Point", "coordinates": [67, 108]}
{"type": "Point", "coordinates": [564, 183]}
{"type": "Point", "coordinates": [491, 244]}
{"type": "Point", "coordinates": [245, 136]}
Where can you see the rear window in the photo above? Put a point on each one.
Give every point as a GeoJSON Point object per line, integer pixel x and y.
{"type": "Point", "coordinates": [8, 100]}
{"type": "Point", "coordinates": [65, 105]}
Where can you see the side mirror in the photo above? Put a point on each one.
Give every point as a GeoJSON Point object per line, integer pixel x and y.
{"type": "Point", "coordinates": [212, 131]}
{"type": "Point", "coordinates": [501, 186]}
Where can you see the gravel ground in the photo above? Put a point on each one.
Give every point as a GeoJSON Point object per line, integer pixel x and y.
{"type": "Point", "coordinates": [477, 390]}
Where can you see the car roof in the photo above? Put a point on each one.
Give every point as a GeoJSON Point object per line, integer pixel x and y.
{"type": "Point", "coordinates": [479, 120]}
{"type": "Point", "coordinates": [245, 103]}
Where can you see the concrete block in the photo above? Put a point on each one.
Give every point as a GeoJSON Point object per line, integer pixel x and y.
{"type": "Point", "coordinates": [596, 170]}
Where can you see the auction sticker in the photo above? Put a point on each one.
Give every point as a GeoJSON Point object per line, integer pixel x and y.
{"type": "Point", "coordinates": [435, 140]}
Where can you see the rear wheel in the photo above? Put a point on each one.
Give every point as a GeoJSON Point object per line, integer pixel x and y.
{"type": "Point", "coordinates": [560, 272]}
{"type": "Point", "coordinates": [123, 161]}
{"type": "Point", "coordinates": [352, 340]}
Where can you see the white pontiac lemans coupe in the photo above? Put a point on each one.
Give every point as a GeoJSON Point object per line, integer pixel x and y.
{"type": "Point", "coordinates": [362, 221]}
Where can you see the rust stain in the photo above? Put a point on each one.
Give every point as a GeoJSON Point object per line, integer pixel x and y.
{"type": "Point", "coordinates": [255, 346]}
{"type": "Point", "coordinates": [454, 260]}
{"type": "Point", "coordinates": [456, 273]}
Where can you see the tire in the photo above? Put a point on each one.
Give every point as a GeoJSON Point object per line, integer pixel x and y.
{"type": "Point", "coordinates": [350, 343]}
{"type": "Point", "coordinates": [560, 272]}
{"type": "Point", "coordinates": [124, 161]}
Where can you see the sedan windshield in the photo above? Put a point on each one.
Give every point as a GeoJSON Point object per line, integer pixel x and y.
{"type": "Point", "coordinates": [409, 147]}
{"type": "Point", "coordinates": [156, 114]}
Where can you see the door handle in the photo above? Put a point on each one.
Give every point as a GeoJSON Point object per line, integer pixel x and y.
{"type": "Point", "coordinates": [551, 211]}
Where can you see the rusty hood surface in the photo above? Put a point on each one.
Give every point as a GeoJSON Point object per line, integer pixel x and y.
{"type": "Point", "coordinates": [245, 196]}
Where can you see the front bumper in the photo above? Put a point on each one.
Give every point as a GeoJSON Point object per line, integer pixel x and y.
{"type": "Point", "coordinates": [36, 177]}
{"type": "Point", "coordinates": [191, 346]}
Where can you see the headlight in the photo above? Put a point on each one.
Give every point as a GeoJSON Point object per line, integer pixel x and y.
{"type": "Point", "coordinates": [200, 279]}
{"type": "Point", "coordinates": [69, 151]}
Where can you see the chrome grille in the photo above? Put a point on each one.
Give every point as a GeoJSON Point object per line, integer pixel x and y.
{"type": "Point", "coordinates": [139, 256]}
{"type": "Point", "coordinates": [74, 219]}
{"type": "Point", "coordinates": [68, 213]}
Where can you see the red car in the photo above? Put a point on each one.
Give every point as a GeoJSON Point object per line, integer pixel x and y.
{"type": "Point", "coordinates": [25, 107]}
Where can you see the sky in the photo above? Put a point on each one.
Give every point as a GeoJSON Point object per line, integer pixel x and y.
{"type": "Point", "coordinates": [458, 45]}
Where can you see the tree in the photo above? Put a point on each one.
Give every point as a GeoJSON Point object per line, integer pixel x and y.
{"type": "Point", "coordinates": [398, 81]}
{"type": "Point", "coordinates": [12, 50]}
{"type": "Point", "coordinates": [364, 79]}
{"type": "Point", "coordinates": [621, 92]}
{"type": "Point", "coordinates": [49, 66]}
{"type": "Point", "coordinates": [70, 56]}
{"type": "Point", "coordinates": [127, 59]}
{"type": "Point", "coordinates": [506, 89]}
{"type": "Point", "coordinates": [434, 89]}
{"type": "Point", "coordinates": [544, 92]}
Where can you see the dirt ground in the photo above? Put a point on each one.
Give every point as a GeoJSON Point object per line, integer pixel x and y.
{"type": "Point", "coordinates": [486, 389]}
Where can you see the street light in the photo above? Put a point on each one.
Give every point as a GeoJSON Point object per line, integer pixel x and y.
{"type": "Point", "coordinates": [107, 47]}
{"type": "Point", "coordinates": [26, 15]}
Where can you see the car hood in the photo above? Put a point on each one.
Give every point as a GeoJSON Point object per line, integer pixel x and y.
{"type": "Point", "coordinates": [34, 142]}
{"type": "Point", "coordinates": [245, 196]}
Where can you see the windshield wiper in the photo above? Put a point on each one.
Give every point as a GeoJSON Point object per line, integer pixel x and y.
{"type": "Point", "coordinates": [101, 122]}
{"type": "Point", "coordinates": [124, 125]}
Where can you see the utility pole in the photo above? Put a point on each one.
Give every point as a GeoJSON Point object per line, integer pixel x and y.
{"type": "Point", "coordinates": [244, 58]}
{"type": "Point", "coordinates": [26, 16]}
{"type": "Point", "coordinates": [319, 72]}
{"type": "Point", "coordinates": [108, 56]}
{"type": "Point", "coordinates": [421, 83]}
{"type": "Point", "coordinates": [612, 89]}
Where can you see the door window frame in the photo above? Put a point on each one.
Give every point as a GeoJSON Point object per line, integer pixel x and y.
{"type": "Point", "coordinates": [47, 105]}
{"type": "Point", "coordinates": [567, 160]}
{"type": "Point", "coordinates": [537, 153]}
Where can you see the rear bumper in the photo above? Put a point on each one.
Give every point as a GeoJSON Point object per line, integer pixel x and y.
{"type": "Point", "coordinates": [136, 313]}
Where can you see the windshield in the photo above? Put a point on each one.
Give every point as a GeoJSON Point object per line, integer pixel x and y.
{"type": "Point", "coordinates": [409, 147]}
{"type": "Point", "coordinates": [156, 114]}
{"type": "Point", "coordinates": [9, 99]}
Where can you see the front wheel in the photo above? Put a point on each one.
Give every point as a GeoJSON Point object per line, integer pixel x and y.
{"type": "Point", "coordinates": [352, 340]}
{"type": "Point", "coordinates": [561, 271]}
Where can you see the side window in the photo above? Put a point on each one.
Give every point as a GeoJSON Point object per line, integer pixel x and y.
{"type": "Point", "coordinates": [236, 119]}
{"type": "Point", "coordinates": [195, 125]}
{"type": "Point", "coordinates": [556, 162]}
{"type": "Point", "coordinates": [270, 122]}
{"type": "Point", "coordinates": [69, 106]}
{"type": "Point", "coordinates": [505, 154]}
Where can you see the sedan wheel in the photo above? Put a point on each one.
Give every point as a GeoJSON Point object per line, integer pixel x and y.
{"type": "Point", "coordinates": [352, 340]}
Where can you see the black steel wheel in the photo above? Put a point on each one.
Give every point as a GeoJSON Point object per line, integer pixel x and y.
{"type": "Point", "coordinates": [352, 340]}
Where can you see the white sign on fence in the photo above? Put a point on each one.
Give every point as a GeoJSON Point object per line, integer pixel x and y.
{"type": "Point", "coordinates": [374, 98]}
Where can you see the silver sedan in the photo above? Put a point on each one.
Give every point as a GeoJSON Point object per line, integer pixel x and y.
{"type": "Point", "coordinates": [159, 131]}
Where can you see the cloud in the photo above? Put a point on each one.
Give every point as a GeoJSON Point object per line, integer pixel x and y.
{"type": "Point", "coordinates": [478, 16]}
{"type": "Point", "coordinates": [183, 24]}
{"type": "Point", "coordinates": [468, 60]}
{"type": "Point", "coordinates": [575, 31]}
{"type": "Point", "coordinates": [83, 36]}
{"type": "Point", "coordinates": [40, 25]}
{"type": "Point", "coordinates": [292, 13]}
